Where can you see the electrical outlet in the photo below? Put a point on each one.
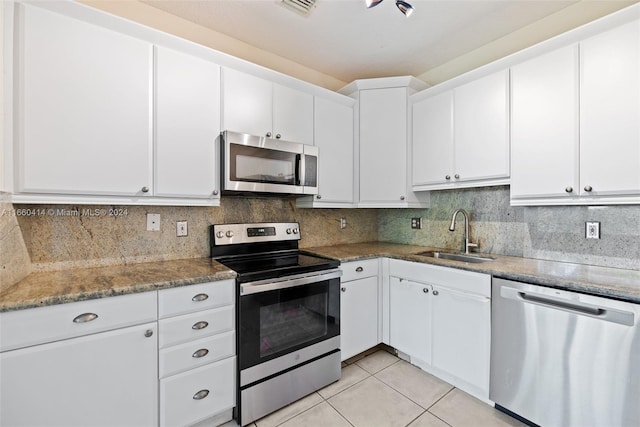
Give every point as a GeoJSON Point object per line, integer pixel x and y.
{"type": "Point", "coordinates": [592, 230]}
{"type": "Point", "coordinates": [416, 223]}
{"type": "Point", "coordinates": [181, 228]}
{"type": "Point", "coordinates": [153, 222]}
{"type": "Point", "coordinates": [343, 223]}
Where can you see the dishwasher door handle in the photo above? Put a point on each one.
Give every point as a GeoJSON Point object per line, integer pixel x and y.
{"type": "Point", "coordinates": [570, 306]}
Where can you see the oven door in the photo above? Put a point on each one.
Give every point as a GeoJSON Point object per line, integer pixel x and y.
{"type": "Point", "coordinates": [277, 318]}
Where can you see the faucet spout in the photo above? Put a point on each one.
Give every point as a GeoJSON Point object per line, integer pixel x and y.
{"type": "Point", "coordinates": [452, 227]}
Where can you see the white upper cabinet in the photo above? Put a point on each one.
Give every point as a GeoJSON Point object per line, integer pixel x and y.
{"type": "Point", "coordinates": [610, 113]}
{"type": "Point", "coordinates": [481, 130]}
{"type": "Point", "coordinates": [333, 135]}
{"type": "Point", "coordinates": [461, 136]}
{"type": "Point", "coordinates": [383, 166]}
{"type": "Point", "coordinates": [83, 110]}
{"type": "Point", "coordinates": [544, 125]}
{"type": "Point", "coordinates": [187, 110]}
{"type": "Point", "coordinates": [259, 107]}
{"type": "Point", "coordinates": [576, 123]}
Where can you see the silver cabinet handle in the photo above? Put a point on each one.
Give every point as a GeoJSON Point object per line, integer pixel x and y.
{"type": "Point", "coordinates": [200, 297]}
{"type": "Point", "coordinates": [435, 292]}
{"type": "Point", "coordinates": [359, 270]}
{"type": "Point", "coordinates": [401, 197]}
{"type": "Point", "coordinates": [318, 197]}
{"type": "Point", "coordinates": [85, 317]}
{"type": "Point", "coordinates": [426, 290]}
{"type": "Point", "coordinates": [456, 176]}
{"type": "Point", "coordinates": [569, 189]}
{"type": "Point", "coordinates": [201, 395]}
{"type": "Point", "coordinates": [588, 189]}
{"type": "Point", "coordinates": [343, 289]}
{"type": "Point", "coordinates": [268, 134]}
{"type": "Point", "coordinates": [148, 333]}
{"type": "Point", "coordinates": [200, 353]}
{"type": "Point", "coordinates": [278, 136]}
{"type": "Point", "coordinates": [145, 189]}
{"type": "Point", "coordinates": [215, 192]}
{"type": "Point", "coordinates": [200, 325]}
{"type": "Point", "coordinates": [448, 177]}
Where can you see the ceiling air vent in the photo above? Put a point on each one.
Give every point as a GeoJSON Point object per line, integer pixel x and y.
{"type": "Point", "coordinates": [303, 7]}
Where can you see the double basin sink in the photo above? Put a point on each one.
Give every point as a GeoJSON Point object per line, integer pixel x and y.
{"type": "Point", "coordinates": [476, 259]}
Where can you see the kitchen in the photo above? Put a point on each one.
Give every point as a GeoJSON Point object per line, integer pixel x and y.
{"type": "Point", "coordinates": [56, 242]}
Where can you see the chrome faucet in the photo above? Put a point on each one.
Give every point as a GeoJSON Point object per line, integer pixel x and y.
{"type": "Point", "coordinates": [452, 227]}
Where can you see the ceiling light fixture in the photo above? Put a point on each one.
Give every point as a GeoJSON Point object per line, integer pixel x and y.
{"type": "Point", "coordinates": [402, 5]}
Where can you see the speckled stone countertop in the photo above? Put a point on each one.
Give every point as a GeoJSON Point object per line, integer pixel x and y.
{"type": "Point", "coordinates": [59, 287]}
{"type": "Point", "coordinates": [608, 282]}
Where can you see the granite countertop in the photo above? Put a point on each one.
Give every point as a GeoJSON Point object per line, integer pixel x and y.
{"type": "Point", "coordinates": [59, 287]}
{"type": "Point", "coordinates": [603, 281]}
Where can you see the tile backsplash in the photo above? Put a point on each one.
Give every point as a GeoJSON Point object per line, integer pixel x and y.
{"type": "Point", "coordinates": [64, 237]}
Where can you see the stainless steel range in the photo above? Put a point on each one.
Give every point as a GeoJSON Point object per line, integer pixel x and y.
{"type": "Point", "coordinates": [288, 315]}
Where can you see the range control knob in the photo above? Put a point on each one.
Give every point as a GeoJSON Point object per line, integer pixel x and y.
{"type": "Point", "coordinates": [289, 231]}
{"type": "Point", "coordinates": [220, 234]}
{"type": "Point", "coordinates": [295, 231]}
{"type": "Point", "coordinates": [229, 233]}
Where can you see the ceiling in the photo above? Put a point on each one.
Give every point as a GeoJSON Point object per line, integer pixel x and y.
{"type": "Point", "coordinates": [345, 40]}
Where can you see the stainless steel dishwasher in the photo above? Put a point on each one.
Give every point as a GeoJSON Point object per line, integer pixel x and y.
{"type": "Point", "coordinates": [561, 358]}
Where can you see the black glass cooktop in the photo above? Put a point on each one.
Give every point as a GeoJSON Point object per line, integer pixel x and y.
{"type": "Point", "coordinates": [267, 266]}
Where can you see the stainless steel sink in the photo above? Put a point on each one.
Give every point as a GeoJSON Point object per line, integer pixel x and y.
{"type": "Point", "coordinates": [456, 257]}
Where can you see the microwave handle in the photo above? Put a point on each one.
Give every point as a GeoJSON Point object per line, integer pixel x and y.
{"type": "Point", "coordinates": [300, 169]}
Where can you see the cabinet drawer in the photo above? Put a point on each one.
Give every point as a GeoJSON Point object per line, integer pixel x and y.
{"type": "Point", "coordinates": [197, 325]}
{"type": "Point", "coordinates": [196, 353]}
{"type": "Point", "coordinates": [182, 396]}
{"type": "Point", "coordinates": [187, 299]}
{"type": "Point", "coordinates": [461, 280]}
{"type": "Point", "coordinates": [359, 269]}
{"type": "Point", "coordinates": [46, 324]}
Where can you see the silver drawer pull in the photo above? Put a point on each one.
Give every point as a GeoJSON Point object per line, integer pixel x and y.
{"type": "Point", "coordinates": [200, 353]}
{"type": "Point", "coordinates": [200, 297]}
{"type": "Point", "coordinates": [201, 394]}
{"type": "Point", "coordinates": [85, 317]}
{"type": "Point", "coordinates": [359, 270]}
{"type": "Point", "coordinates": [200, 325]}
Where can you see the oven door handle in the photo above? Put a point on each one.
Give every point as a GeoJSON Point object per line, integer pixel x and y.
{"type": "Point", "coordinates": [292, 281]}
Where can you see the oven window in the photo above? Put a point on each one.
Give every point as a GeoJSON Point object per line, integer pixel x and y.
{"type": "Point", "coordinates": [277, 322]}
{"type": "Point", "coordinates": [290, 323]}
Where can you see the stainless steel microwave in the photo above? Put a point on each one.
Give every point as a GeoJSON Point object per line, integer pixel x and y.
{"type": "Point", "coordinates": [256, 164]}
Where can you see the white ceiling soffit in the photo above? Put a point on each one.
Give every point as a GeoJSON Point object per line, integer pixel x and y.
{"type": "Point", "coordinates": [344, 39]}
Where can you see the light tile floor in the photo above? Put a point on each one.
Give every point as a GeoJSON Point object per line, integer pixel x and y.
{"type": "Point", "coordinates": [377, 389]}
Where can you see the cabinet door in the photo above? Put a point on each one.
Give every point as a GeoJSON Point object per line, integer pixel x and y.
{"type": "Point", "coordinates": [83, 107]}
{"type": "Point", "coordinates": [246, 103]}
{"type": "Point", "coordinates": [410, 319]}
{"type": "Point", "coordinates": [106, 379]}
{"type": "Point", "coordinates": [544, 125]}
{"type": "Point", "coordinates": [187, 124]}
{"type": "Point", "coordinates": [292, 115]}
{"type": "Point", "coordinates": [359, 316]}
{"type": "Point", "coordinates": [432, 153]}
{"type": "Point", "coordinates": [610, 112]}
{"type": "Point", "coordinates": [334, 139]}
{"type": "Point", "coordinates": [481, 128]}
{"type": "Point", "coordinates": [383, 145]}
{"type": "Point", "coordinates": [461, 336]}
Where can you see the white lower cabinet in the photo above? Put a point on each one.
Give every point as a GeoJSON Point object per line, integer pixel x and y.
{"type": "Point", "coordinates": [410, 319]}
{"type": "Point", "coordinates": [91, 379]}
{"type": "Point", "coordinates": [441, 319]}
{"type": "Point", "coordinates": [197, 353]}
{"type": "Point", "coordinates": [359, 307]}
